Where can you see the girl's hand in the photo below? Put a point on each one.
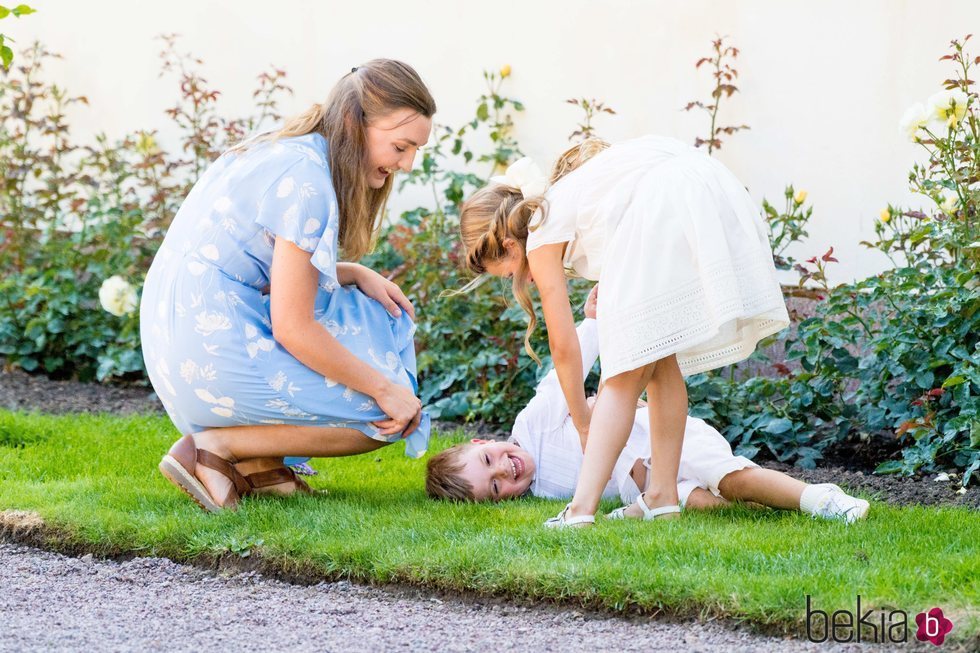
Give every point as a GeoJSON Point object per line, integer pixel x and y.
{"type": "Point", "coordinates": [592, 302]}
{"type": "Point", "coordinates": [403, 408]}
{"type": "Point", "coordinates": [386, 292]}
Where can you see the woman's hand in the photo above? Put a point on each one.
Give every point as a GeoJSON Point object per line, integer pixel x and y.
{"type": "Point", "coordinates": [403, 408]}
{"type": "Point", "coordinates": [380, 289]}
{"type": "Point", "coordinates": [592, 302]}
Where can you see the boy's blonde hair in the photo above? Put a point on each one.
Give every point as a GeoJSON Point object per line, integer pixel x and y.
{"type": "Point", "coordinates": [496, 212]}
{"type": "Point", "coordinates": [442, 479]}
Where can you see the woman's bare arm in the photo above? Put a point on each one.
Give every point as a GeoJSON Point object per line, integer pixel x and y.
{"type": "Point", "coordinates": [292, 295]}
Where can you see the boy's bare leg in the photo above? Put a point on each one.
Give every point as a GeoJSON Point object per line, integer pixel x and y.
{"type": "Point", "coordinates": [765, 486]}
{"type": "Point", "coordinates": [243, 443]}
{"type": "Point", "coordinates": [701, 499]}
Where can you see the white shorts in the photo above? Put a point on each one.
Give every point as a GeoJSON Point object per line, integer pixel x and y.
{"type": "Point", "coordinates": [706, 458]}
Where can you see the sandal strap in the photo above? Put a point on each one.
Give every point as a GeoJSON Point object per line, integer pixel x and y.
{"type": "Point", "coordinates": [276, 476]}
{"type": "Point", "coordinates": [650, 513]}
{"type": "Point", "coordinates": [302, 485]}
{"type": "Point", "coordinates": [562, 521]}
{"type": "Point", "coordinates": [581, 519]}
{"type": "Point", "coordinates": [269, 477]}
{"type": "Point", "coordinates": [618, 513]}
{"type": "Point", "coordinates": [224, 467]}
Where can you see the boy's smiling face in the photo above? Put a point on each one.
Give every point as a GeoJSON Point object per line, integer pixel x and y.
{"type": "Point", "coordinates": [496, 470]}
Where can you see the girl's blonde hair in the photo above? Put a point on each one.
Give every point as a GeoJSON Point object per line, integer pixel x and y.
{"type": "Point", "coordinates": [496, 212]}
{"type": "Point", "coordinates": [367, 92]}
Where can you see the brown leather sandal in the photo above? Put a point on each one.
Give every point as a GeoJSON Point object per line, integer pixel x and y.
{"type": "Point", "coordinates": [179, 465]}
{"type": "Point", "coordinates": [275, 476]}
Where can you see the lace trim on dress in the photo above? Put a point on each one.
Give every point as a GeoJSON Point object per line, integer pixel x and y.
{"type": "Point", "coordinates": [709, 322]}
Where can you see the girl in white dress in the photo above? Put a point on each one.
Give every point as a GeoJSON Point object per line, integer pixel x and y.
{"type": "Point", "coordinates": [688, 285]}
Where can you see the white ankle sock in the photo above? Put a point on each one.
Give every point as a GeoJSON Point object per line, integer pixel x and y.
{"type": "Point", "coordinates": [811, 496]}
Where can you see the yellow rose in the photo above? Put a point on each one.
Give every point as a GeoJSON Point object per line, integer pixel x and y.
{"type": "Point", "coordinates": [885, 215]}
{"type": "Point", "coordinates": [800, 196]}
{"type": "Point", "coordinates": [146, 144]}
{"type": "Point", "coordinates": [948, 106]}
{"type": "Point", "coordinates": [505, 71]}
{"type": "Point", "coordinates": [950, 204]}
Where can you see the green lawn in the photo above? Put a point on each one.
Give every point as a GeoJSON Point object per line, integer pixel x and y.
{"type": "Point", "coordinates": [93, 479]}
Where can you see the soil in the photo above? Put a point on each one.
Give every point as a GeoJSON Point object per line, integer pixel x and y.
{"type": "Point", "coordinates": [849, 464]}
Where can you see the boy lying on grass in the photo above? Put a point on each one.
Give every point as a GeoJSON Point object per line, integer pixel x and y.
{"type": "Point", "coordinates": [544, 454]}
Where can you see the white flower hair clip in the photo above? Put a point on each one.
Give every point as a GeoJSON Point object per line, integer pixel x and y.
{"type": "Point", "coordinates": [524, 175]}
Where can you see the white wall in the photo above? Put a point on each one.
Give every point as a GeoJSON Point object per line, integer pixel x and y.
{"type": "Point", "coordinates": [823, 83]}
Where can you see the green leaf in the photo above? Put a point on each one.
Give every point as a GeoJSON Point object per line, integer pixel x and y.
{"type": "Point", "coordinates": [889, 467]}
{"type": "Point", "coordinates": [23, 10]}
{"type": "Point", "coordinates": [482, 112]}
{"type": "Point", "coordinates": [6, 56]}
{"type": "Point", "coordinates": [953, 381]}
{"type": "Point", "coordinates": [777, 426]}
{"type": "Point", "coordinates": [925, 379]}
{"type": "Point", "coordinates": [4, 12]}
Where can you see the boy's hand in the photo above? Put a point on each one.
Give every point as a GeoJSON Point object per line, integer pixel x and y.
{"type": "Point", "coordinates": [591, 302]}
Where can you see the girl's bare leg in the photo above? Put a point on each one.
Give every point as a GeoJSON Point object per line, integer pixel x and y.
{"type": "Point", "coordinates": [765, 486]}
{"type": "Point", "coordinates": [243, 443]}
{"type": "Point", "coordinates": [667, 405]}
{"type": "Point", "coordinates": [612, 420]}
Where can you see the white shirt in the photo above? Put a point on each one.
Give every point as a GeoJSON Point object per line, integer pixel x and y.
{"type": "Point", "coordinates": [545, 430]}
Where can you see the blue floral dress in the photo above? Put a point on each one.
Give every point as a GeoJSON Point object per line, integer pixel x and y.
{"type": "Point", "coordinates": [204, 313]}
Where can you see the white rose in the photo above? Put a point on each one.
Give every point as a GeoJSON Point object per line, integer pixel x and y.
{"type": "Point", "coordinates": [947, 107]}
{"type": "Point", "coordinates": [525, 175]}
{"type": "Point", "coordinates": [915, 118]}
{"type": "Point", "coordinates": [117, 296]}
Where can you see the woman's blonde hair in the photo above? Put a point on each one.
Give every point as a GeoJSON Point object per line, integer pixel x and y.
{"type": "Point", "coordinates": [497, 212]}
{"type": "Point", "coordinates": [369, 91]}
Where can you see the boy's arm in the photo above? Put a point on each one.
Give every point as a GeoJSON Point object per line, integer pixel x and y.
{"type": "Point", "coordinates": [548, 408]}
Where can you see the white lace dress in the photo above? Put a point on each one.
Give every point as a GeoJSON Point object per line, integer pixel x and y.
{"type": "Point", "coordinates": [679, 250]}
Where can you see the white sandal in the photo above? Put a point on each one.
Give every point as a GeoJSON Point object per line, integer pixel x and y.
{"type": "Point", "coordinates": [648, 512]}
{"type": "Point", "coordinates": [564, 522]}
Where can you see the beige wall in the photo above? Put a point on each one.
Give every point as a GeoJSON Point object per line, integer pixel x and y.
{"type": "Point", "coordinates": [823, 83]}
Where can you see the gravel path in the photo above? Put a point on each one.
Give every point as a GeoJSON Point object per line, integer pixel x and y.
{"type": "Point", "coordinates": [51, 602]}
